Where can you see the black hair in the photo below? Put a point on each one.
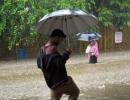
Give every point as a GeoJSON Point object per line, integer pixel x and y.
{"type": "Point", "coordinates": [58, 32]}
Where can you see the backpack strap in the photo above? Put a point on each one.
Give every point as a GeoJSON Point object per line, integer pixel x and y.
{"type": "Point", "coordinates": [40, 58]}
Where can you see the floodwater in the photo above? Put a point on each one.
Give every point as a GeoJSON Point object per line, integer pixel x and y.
{"type": "Point", "coordinates": [109, 79]}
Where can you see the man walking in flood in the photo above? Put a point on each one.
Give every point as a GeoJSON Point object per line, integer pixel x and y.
{"type": "Point", "coordinates": [52, 64]}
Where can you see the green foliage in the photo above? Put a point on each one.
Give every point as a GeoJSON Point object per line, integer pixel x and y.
{"type": "Point", "coordinates": [17, 21]}
{"type": "Point", "coordinates": [121, 14]}
{"type": "Point", "coordinates": [105, 17]}
{"type": "Point", "coordinates": [18, 17]}
{"type": "Point", "coordinates": [128, 23]}
{"type": "Point", "coordinates": [113, 13]}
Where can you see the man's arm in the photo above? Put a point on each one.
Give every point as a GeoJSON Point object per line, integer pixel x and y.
{"type": "Point", "coordinates": [60, 60]}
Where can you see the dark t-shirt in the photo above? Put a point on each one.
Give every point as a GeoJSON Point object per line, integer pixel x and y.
{"type": "Point", "coordinates": [53, 66]}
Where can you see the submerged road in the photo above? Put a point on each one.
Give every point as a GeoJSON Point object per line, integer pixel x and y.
{"type": "Point", "coordinates": [109, 79]}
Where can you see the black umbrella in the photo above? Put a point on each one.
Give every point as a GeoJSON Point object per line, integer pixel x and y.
{"type": "Point", "coordinates": [68, 20]}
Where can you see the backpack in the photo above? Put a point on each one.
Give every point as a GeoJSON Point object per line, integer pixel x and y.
{"type": "Point", "coordinates": [40, 57]}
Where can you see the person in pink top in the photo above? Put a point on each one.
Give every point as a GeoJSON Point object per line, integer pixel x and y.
{"type": "Point", "coordinates": [92, 51]}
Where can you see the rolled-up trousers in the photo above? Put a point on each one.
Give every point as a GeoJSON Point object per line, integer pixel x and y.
{"type": "Point", "coordinates": [69, 88]}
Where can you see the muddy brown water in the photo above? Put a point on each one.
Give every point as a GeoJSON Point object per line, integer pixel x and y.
{"type": "Point", "coordinates": [109, 79]}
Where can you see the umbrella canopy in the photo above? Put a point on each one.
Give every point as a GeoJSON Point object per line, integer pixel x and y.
{"type": "Point", "coordinates": [88, 36]}
{"type": "Point", "coordinates": [68, 20]}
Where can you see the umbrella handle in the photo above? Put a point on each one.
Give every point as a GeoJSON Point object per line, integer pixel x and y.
{"type": "Point", "coordinates": [68, 41]}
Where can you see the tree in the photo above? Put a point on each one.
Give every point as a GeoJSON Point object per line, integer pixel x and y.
{"type": "Point", "coordinates": [14, 22]}
{"type": "Point", "coordinates": [111, 12]}
{"type": "Point", "coordinates": [18, 17]}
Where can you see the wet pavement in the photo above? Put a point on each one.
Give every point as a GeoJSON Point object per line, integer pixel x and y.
{"type": "Point", "coordinates": [109, 79]}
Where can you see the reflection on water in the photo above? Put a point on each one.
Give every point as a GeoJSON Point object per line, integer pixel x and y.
{"type": "Point", "coordinates": [108, 92]}
{"type": "Point", "coordinates": [118, 92]}
{"type": "Point", "coordinates": [101, 81]}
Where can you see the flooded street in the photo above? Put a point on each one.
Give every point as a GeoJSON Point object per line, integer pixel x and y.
{"type": "Point", "coordinates": [109, 79]}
